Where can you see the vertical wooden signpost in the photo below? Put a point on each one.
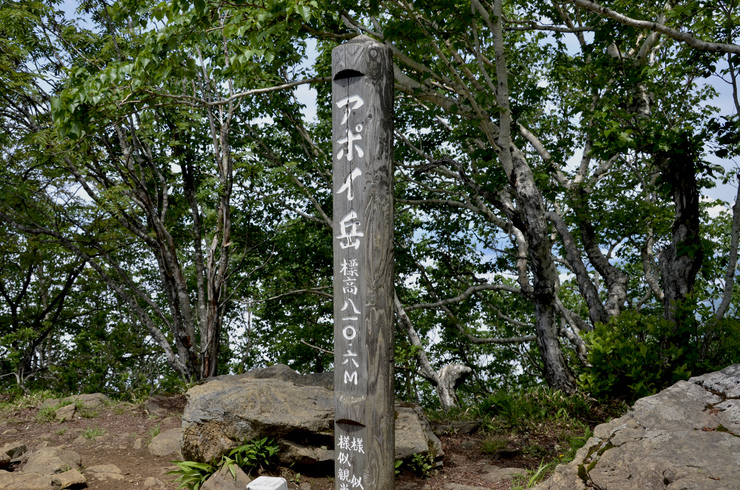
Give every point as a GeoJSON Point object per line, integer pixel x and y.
{"type": "Point", "coordinates": [362, 118]}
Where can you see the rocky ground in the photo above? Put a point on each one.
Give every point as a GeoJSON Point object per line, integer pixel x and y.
{"type": "Point", "coordinates": [117, 446]}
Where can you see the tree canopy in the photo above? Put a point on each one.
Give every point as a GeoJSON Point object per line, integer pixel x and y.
{"type": "Point", "coordinates": [166, 201]}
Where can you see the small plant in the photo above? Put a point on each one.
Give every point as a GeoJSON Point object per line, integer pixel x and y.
{"type": "Point", "coordinates": [192, 474]}
{"type": "Point", "coordinates": [422, 464]}
{"type": "Point", "coordinates": [15, 402]}
{"type": "Point", "coordinates": [154, 432]}
{"type": "Point", "coordinates": [256, 454]}
{"type": "Point", "coordinates": [119, 408]}
{"type": "Point", "coordinates": [93, 432]}
{"type": "Point", "coordinates": [533, 477]}
{"type": "Point", "coordinates": [534, 450]}
{"type": "Point", "coordinates": [46, 414]}
{"type": "Point", "coordinates": [574, 444]}
{"type": "Point", "coordinates": [61, 431]}
{"type": "Point", "coordinates": [84, 411]}
{"type": "Point", "coordinates": [399, 463]}
{"type": "Point", "coordinates": [492, 445]}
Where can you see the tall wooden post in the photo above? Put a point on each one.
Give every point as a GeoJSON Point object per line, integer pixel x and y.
{"type": "Point", "coordinates": [362, 118]}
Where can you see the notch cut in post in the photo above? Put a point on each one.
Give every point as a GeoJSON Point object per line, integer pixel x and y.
{"type": "Point", "coordinates": [348, 74]}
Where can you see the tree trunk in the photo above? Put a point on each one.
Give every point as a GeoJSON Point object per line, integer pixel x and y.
{"type": "Point", "coordinates": [681, 260]}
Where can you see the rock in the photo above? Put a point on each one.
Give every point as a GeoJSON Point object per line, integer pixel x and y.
{"type": "Point", "coordinates": [104, 472]}
{"type": "Point", "coordinates": [166, 443]}
{"type": "Point", "coordinates": [52, 460]}
{"type": "Point", "coordinates": [65, 413]}
{"type": "Point", "coordinates": [92, 401]}
{"type": "Point", "coordinates": [284, 373]}
{"type": "Point", "coordinates": [11, 451]}
{"type": "Point", "coordinates": [224, 480]}
{"type": "Point", "coordinates": [295, 410]}
{"type": "Point", "coordinates": [685, 437]}
{"type": "Point", "coordinates": [24, 481]}
{"type": "Point", "coordinates": [68, 479]}
{"type": "Point", "coordinates": [497, 474]}
{"type": "Point", "coordinates": [161, 405]}
{"type": "Point", "coordinates": [464, 427]}
{"type": "Point", "coordinates": [152, 482]}
{"type": "Point", "coordinates": [414, 433]}
{"type": "Point", "coordinates": [137, 443]}
{"type": "Point", "coordinates": [294, 453]}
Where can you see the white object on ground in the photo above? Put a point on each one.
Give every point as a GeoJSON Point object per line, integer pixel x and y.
{"type": "Point", "coordinates": [268, 483]}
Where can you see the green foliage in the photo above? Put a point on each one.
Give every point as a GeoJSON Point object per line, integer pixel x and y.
{"type": "Point", "coordinates": [638, 354]}
{"type": "Point", "coordinates": [13, 400]}
{"type": "Point", "coordinates": [533, 477]}
{"type": "Point", "coordinates": [422, 464]}
{"type": "Point", "coordinates": [154, 432]}
{"type": "Point", "coordinates": [46, 414]}
{"type": "Point", "coordinates": [574, 444]}
{"type": "Point", "coordinates": [521, 411]}
{"type": "Point", "coordinates": [258, 454]}
{"type": "Point", "coordinates": [93, 432]}
{"type": "Point", "coordinates": [192, 475]}
{"type": "Point", "coordinates": [492, 445]}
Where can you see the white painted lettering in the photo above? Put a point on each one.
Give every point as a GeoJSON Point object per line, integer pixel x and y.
{"type": "Point", "coordinates": [347, 303]}
{"type": "Point", "coordinates": [349, 332]}
{"type": "Point", "coordinates": [347, 186]}
{"type": "Point", "coordinates": [357, 482]}
{"type": "Point", "coordinates": [349, 232]}
{"type": "Point", "coordinates": [349, 358]}
{"type": "Point", "coordinates": [343, 458]}
{"type": "Point", "coordinates": [352, 147]}
{"type": "Point", "coordinates": [352, 102]}
{"type": "Point", "coordinates": [349, 378]}
{"type": "Point", "coordinates": [356, 445]}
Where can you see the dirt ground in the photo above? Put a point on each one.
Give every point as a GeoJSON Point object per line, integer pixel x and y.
{"type": "Point", "coordinates": [121, 425]}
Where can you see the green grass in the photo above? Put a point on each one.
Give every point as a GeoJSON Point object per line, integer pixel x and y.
{"type": "Point", "coordinates": [84, 411]}
{"type": "Point", "coordinates": [93, 432]}
{"type": "Point", "coordinates": [542, 425]}
{"type": "Point", "coordinates": [21, 402]}
{"type": "Point", "coordinates": [493, 444]}
{"type": "Point", "coordinates": [47, 414]}
{"type": "Point", "coordinates": [154, 432]}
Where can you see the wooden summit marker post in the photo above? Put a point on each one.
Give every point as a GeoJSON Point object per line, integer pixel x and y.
{"type": "Point", "coordinates": [362, 119]}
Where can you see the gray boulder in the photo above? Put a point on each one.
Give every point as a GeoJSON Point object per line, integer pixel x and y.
{"type": "Point", "coordinates": [10, 452]}
{"type": "Point", "coordinates": [91, 401]}
{"type": "Point", "coordinates": [52, 460]}
{"type": "Point", "coordinates": [24, 481]}
{"type": "Point", "coordinates": [686, 437]}
{"type": "Point", "coordinates": [296, 410]}
{"type": "Point", "coordinates": [224, 480]}
{"type": "Point", "coordinates": [166, 444]}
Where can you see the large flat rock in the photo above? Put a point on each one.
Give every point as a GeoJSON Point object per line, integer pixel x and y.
{"type": "Point", "coordinates": [686, 437]}
{"type": "Point", "coordinates": [295, 410]}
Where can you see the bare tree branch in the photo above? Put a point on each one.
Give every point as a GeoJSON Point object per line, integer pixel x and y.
{"type": "Point", "coordinates": [684, 37]}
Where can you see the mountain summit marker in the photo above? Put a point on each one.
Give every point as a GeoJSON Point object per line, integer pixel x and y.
{"type": "Point", "coordinates": [362, 120]}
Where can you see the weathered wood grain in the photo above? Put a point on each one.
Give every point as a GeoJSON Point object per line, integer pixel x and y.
{"type": "Point", "coordinates": [362, 118]}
